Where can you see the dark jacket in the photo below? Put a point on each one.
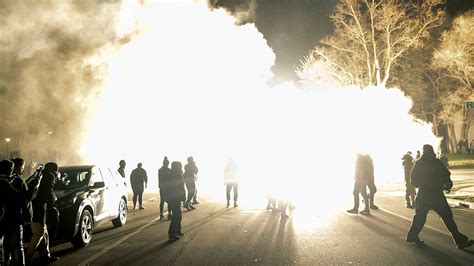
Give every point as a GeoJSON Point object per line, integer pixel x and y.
{"type": "Point", "coordinates": [364, 169]}
{"type": "Point", "coordinates": [190, 173]}
{"type": "Point", "coordinates": [18, 211]}
{"type": "Point", "coordinates": [138, 178]}
{"type": "Point", "coordinates": [163, 172]}
{"type": "Point", "coordinates": [173, 187]}
{"type": "Point", "coordinates": [45, 196]}
{"type": "Point", "coordinates": [431, 177]}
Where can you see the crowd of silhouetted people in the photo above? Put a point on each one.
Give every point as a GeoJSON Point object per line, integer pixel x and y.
{"type": "Point", "coordinates": [24, 204]}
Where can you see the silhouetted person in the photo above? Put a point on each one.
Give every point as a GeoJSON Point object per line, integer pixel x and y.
{"type": "Point", "coordinates": [138, 181]}
{"type": "Point", "coordinates": [432, 178]}
{"type": "Point", "coordinates": [418, 155]}
{"type": "Point", "coordinates": [163, 172]}
{"type": "Point", "coordinates": [17, 213]}
{"type": "Point", "coordinates": [190, 177]}
{"type": "Point", "coordinates": [231, 182]}
{"type": "Point", "coordinates": [173, 186]}
{"type": "Point", "coordinates": [39, 229]}
{"type": "Point", "coordinates": [369, 164]}
{"type": "Point", "coordinates": [361, 180]}
{"type": "Point", "coordinates": [121, 169]}
{"type": "Point", "coordinates": [410, 191]}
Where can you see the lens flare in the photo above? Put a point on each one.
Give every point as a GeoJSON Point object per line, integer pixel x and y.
{"type": "Point", "coordinates": [193, 83]}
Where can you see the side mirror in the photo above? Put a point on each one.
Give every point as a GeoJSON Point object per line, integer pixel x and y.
{"type": "Point", "coordinates": [98, 185]}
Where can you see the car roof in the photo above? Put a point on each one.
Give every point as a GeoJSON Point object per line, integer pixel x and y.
{"type": "Point", "coordinates": [75, 167]}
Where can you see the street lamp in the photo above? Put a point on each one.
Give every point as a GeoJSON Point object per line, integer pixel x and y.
{"type": "Point", "coordinates": [8, 150]}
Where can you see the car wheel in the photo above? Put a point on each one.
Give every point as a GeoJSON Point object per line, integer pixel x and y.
{"type": "Point", "coordinates": [122, 216]}
{"type": "Point", "coordinates": [84, 235]}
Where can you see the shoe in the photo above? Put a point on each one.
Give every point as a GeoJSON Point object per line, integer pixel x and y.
{"type": "Point", "coordinates": [235, 204]}
{"type": "Point", "coordinates": [180, 234]}
{"type": "Point", "coordinates": [141, 208]}
{"type": "Point", "coordinates": [269, 207]}
{"type": "Point", "coordinates": [374, 207]}
{"type": "Point", "coordinates": [228, 204]}
{"type": "Point", "coordinates": [162, 217]}
{"type": "Point", "coordinates": [365, 212]}
{"type": "Point", "coordinates": [284, 216]}
{"type": "Point", "coordinates": [354, 211]}
{"type": "Point", "coordinates": [192, 207]}
{"type": "Point", "coordinates": [187, 207]}
{"type": "Point", "coordinates": [409, 206]}
{"type": "Point", "coordinates": [134, 207]}
{"type": "Point", "coordinates": [465, 244]}
{"type": "Point", "coordinates": [415, 240]}
{"type": "Point", "coordinates": [195, 202]}
{"type": "Point", "coordinates": [174, 237]}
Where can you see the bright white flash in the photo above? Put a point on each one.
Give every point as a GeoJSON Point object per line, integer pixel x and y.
{"type": "Point", "coordinates": [194, 83]}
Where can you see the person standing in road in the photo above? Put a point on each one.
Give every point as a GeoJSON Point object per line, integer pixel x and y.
{"type": "Point", "coordinates": [432, 178]}
{"type": "Point", "coordinates": [39, 229]}
{"type": "Point", "coordinates": [410, 191]}
{"type": "Point", "coordinates": [190, 178]}
{"type": "Point", "coordinates": [17, 214]}
{"type": "Point", "coordinates": [369, 165]}
{"type": "Point", "coordinates": [163, 172]}
{"type": "Point", "coordinates": [231, 182]}
{"type": "Point", "coordinates": [361, 180]}
{"type": "Point", "coordinates": [173, 185]}
{"type": "Point", "coordinates": [138, 181]}
{"type": "Point", "coordinates": [121, 169]}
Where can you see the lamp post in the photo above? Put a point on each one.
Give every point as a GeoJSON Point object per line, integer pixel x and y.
{"type": "Point", "coordinates": [8, 146]}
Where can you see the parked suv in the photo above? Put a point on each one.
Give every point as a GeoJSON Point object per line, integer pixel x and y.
{"type": "Point", "coordinates": [88, 196]}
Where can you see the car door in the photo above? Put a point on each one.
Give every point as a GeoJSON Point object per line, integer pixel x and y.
{"type": "Point", "coordinates": [97, 194]}
{"type": "Point", "coordinates": [111, 200]}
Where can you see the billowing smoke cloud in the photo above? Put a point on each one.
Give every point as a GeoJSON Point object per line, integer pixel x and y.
{"type": "Point", "coordinates": [47, 81]}
{"type": "Point", "coordinates": [244, 10]}
{"type": "Point", "coordinates": [199, 87]}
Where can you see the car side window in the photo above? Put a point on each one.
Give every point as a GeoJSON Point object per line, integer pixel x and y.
{"type": "Point", "coordinates": [96, 176]}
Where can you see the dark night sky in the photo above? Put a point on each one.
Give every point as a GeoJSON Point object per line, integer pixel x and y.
{"type": "Point", "coordinates": [293, 27]}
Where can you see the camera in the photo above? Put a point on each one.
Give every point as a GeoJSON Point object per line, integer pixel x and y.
{"type": "Point", "coordinates": [38, 170]}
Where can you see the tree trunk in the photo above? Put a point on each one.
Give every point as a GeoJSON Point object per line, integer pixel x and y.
{"type": "Point", "coordinates": [452, 138]}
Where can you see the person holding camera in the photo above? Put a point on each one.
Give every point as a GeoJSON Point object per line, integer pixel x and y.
{"type": "Point", "coordinates": [432, 178]}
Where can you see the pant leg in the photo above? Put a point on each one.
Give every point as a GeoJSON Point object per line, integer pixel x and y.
{"type": "Point", "coordinates": [373, 190]}
{"type": "Point", "coordinates": [140, 198]}
{"type": "Point", "coordinates": [175, 206]}
{"type": "Point", "coordinates": [228, 188]}
{"type": "Point", "coordinates": [191, 190]}
{"type": "Point", "coordinates": [419, 219]}
{"type": "Point", "coordinates": [43, 247]}
{"type": "Point", "coordinates": [13, 245]}
{"type": "Point", "coordinates": [444, 211]}
{"type": "Point", "coordinates": [135, 196]}
{"type": "Point", "coordinates": [162, 203]}
{"type": "Point", "coordinates": [37, 234]}
{"type": "Point", "coordinates": [236, 191]}
{"type": "Point", "coordinates": [195, 193]}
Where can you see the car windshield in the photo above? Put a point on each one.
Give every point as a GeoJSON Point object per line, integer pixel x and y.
{"type": "Point", "coordinates": [72, 179]}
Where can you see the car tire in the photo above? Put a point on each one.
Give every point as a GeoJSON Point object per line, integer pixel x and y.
{"type": "Point", "coordinates": [122, 216]}
{"type": "Point", "coordinates": [84, 234]}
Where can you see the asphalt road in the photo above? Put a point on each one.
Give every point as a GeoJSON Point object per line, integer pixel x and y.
{"type": "Point", "coordinates": [248, 234]}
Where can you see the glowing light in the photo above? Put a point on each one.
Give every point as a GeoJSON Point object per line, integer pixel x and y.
{"type": "Point", "coordinates": [198, 86]}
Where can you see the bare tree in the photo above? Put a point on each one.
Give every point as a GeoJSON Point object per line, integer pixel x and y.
{"type": "Point", "coordinates": [370, 38]}
{"type": "Point", "coordinates": [454, 63]}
